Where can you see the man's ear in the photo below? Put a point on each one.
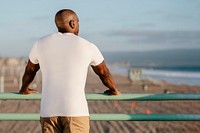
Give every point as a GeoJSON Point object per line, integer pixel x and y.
{"type": "Point", "coordinates": [72, 24]}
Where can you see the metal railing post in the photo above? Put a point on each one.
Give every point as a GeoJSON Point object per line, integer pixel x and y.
{"type": "Point", "coordinates": [1, 84]}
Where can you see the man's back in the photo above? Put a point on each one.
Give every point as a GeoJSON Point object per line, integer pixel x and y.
{"type": "Point", "coordinates": [64, 60]}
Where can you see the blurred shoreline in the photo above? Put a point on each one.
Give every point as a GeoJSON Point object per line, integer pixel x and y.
{"type": "Point", "coordinates": [173, 75]}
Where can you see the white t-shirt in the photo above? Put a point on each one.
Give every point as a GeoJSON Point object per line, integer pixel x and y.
{"type": "Point", "coordinates": [64, 60]}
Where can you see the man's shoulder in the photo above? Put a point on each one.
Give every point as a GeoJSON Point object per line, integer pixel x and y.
{"type": "Point", "coordinates": [86, 42]}
{"type": "Point", "coordinates": [83, 39]}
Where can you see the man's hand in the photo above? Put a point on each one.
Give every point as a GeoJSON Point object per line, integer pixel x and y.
{"type": "Point", "coordinates": [112, 92]}
{"type": "Point", "coordinates": [30, 72]}
{"type": "Point", "coordinates": [102, 71]}
{"type": "Point", "coordinates": [27, 91]}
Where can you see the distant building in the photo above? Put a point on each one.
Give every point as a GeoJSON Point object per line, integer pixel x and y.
{"type": "Point", "coordinates": [12, 61]}
{"type": "Point", "coordinates": [134, 75]}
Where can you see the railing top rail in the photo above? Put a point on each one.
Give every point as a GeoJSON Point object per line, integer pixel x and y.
{"type": "Point", "coordinates": [112, 117]}
{"type": "Point", "coordinates": [100, 96]}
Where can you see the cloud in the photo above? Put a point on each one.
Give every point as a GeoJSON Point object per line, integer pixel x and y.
{"type": "Point", "coordinates": [178, 17]}
{"type": "Point", "coordinates": [164, 39]}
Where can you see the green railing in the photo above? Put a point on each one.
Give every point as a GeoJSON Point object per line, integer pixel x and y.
{"type": "Point", "coordinates": [112, 117]}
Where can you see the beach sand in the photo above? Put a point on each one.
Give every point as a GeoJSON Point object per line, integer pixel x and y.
{"type": "Point", "coordinates": [94, 85]}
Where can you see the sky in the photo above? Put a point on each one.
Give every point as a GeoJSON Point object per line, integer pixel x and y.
{"type": "Point", "coordinates": [112, 25]}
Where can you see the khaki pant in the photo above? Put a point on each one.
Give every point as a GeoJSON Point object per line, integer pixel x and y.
{"type": "Point", "coordinates": [65, 124]}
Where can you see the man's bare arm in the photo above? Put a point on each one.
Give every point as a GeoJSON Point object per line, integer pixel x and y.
{"type": "Point", "coordinates": [29, 74]}
{"type": "Point", "coordinates": [102, 71]}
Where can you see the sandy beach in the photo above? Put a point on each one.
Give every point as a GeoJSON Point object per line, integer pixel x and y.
{"type": "Point", "coordinates": [94, 85]}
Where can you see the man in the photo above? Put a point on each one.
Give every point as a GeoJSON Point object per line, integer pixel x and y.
{"type": "Point", "coordinates": [63, 58]}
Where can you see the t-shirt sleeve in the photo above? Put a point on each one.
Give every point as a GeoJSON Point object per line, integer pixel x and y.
{"type": "Point", "coordinates": [33, 55]}
{"type": "Point", "coordinates": [97, 57]}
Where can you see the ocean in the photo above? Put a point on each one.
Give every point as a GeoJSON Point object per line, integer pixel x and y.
{"type": "Point", "coordinates": [176, 66]}
{"type": "Point", "coordinates": [187, 76]}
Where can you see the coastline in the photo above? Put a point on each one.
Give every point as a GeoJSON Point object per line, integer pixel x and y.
{"type": "Point", "coordinates": [172, 75]}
